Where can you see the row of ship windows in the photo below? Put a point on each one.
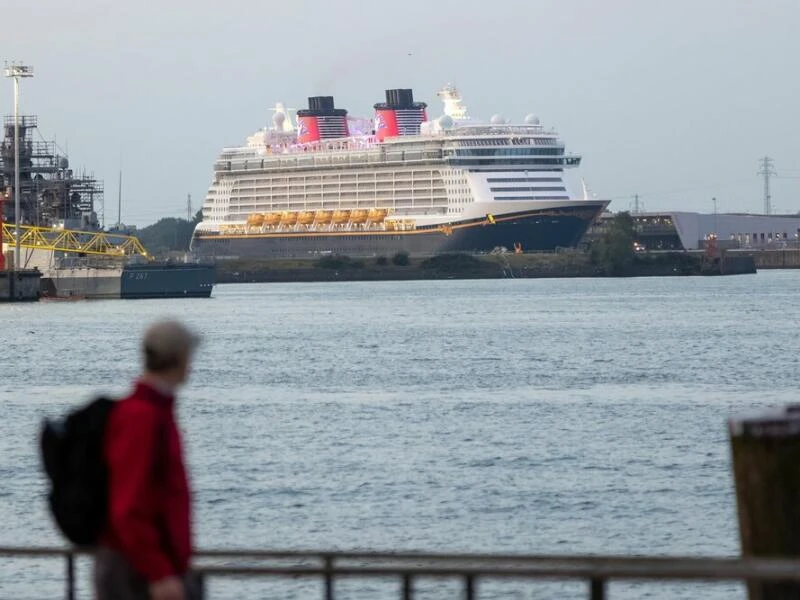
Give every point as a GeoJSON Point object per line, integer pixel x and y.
{"type": "Point", "coordinates": [399, 207]}
{"type": "Point", "coordinates": [412, 155]}
{"type": "Point", "coordinates": [528, 189]}
{"type": "Point", "coordinates": [404, 203]}
{"type": "Point", "coordinates": [336, 198]}
{"type": "Point", "coordinates": [352, 195]}
{"type": "Point", "coordinates": [514, 141]}
{"type": "Point", "coordinates": [531, 198]}
{"type": "Point", "coordinates": [365, 185]}
{"type": "Point", "coordinates": [346, 178]}
{"type": "Point", "coordinates": [523, 179]}
{"type": "Point", "coordinates": [506, 152]}
{"type": "Point", "coordinates": [508, 166]}
{"type": "Point", "coordinates": [362, 189]}
{"type": "Point", "coordinates": [531, 162]}
{"type": "Point", "coordinates": [368, 193]}
{"type": "Point", "coordinates": [362, 185]}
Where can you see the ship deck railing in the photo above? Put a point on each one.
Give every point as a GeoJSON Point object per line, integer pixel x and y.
{"type": "Point", "coordinates": [410, 568]}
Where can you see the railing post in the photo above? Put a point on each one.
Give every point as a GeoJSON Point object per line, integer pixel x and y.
{"type": "Point", "coordinates": [328, 577]}
{"type": "Point", "coordinates": [408, 587]}
{"type": "Point", "coordinates": [597, 589]}
{"type": "Point", "coordinates": [765, 450]}
{"type": "Point", "coordinates": [70, 576]}
{"type": "Point", "coordinates": [201, 586]}
{"type": "Point", "coordinates": [469, 587]}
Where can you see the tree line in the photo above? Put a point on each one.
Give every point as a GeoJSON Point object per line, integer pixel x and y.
{"type": "Point", "coordinates": [168, 235]}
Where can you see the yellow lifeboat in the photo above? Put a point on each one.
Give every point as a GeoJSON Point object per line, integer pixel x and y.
{"type": "Point", "coordinates": [358, 216]}
{"type": "Point", "coordinates": [255, 220]}
{"type": "Point", "coordinates": [305, 218]}
{"type": "Point", "coordinates": [377, 215]}
{"type": "Point", "coordinates": [323, 217]}
{"type": "Point", "coordinates": [288, 218]}
{"type": "Point", "coordinates": [341, 216]}
{"type": "Point", "coordinates": [272, 219]}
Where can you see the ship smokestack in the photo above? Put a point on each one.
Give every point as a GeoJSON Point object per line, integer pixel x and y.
{"type": "Point", "coordinates": [399, 115]}
{"type": "Point", "coordinates": [321, 121]}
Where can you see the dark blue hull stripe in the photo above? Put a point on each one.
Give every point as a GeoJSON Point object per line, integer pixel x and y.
{"type": "Point", "coordinates": [532, 231]}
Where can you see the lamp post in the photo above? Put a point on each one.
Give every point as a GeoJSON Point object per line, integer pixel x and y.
{"type": "Point", "coordinates": [16, 71]}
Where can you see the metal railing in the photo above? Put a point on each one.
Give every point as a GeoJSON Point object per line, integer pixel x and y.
{"type": "Point", "coordinates": [409, 568]}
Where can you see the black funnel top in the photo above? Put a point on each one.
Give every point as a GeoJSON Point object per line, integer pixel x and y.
{"type": "Point", "coordinates": [398, 99]}
{"type": "Point", "coordinates": [321, 103]}
{"type": "Point", "coordinates": [321, 106]}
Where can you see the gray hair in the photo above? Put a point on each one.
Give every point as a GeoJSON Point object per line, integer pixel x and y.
{"type": "Point", "coordinates": [166, 344]}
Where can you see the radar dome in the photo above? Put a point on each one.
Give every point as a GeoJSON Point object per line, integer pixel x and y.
{"type": "Point", "coordinates": [446, 122]}
{"type": "Point", "coordinates": [277, 119]}
{"type": "Point", "coordinates": [497, 120]}
{"type": "Point", "coordinates": [531, 119]}
{"type": "Point", "coordinates": [63, 163]}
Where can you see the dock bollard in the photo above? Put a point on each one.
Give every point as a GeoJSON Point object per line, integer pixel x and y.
{"type": "Point", "coordinates": [766, 468]}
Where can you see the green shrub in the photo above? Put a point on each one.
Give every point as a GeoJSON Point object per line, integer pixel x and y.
{"type": "Point", "coordinates": [381, 261]}
{"type": "Point", "coordinates": [614, 250]}
{"type": "Point", "coordinates": [335, 261]}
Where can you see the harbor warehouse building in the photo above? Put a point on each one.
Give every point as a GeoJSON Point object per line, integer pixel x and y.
{"type": "Point", "coordinates": [690, 230]}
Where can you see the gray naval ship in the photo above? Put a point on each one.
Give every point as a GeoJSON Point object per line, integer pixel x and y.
{"type": "Point", "coordinates": [76, 278]}
{"type": "Point", "coordinates": [61, 236]}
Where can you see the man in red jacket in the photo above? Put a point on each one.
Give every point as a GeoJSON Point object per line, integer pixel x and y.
{"type": "Point", "coordinates": [147, 545]}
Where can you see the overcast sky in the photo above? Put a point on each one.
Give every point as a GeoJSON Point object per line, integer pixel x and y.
{"type": "Point", "coordinates": [674, 100]}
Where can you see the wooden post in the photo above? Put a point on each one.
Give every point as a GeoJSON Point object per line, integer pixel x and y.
{"type": "Point", "coordinates": [766, 468]}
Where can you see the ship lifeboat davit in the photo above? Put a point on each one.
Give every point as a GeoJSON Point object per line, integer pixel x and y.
{"type": "Point", "coordinates": [377, 215]}
{"type": "Point", "coordinates": [255, 220]}
{"type": "Point", "coordinates": [305, 218]}
{"type": "Point", "coordinates": [341, 216]}
{"type": "Point", "coordinates": [358, 216]}
{"type": "Point", "coordinates": [288, 218]}
{"type": "Point", "coordinates": [272, 219]}
{"type": "Point", "coordinates": [323, 217]}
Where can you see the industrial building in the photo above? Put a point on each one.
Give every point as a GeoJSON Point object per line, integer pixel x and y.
{"type": "Point", "coordinates": [690, 230]}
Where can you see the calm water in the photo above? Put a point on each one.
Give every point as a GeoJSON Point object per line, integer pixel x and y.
{"type": "Point", "coordinates": [539, 416]}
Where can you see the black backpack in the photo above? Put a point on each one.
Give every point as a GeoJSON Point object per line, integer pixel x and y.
{"type": "Point", "coordinates": [72, 453]}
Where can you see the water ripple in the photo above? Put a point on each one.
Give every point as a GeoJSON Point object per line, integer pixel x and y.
{"type": "Point", "coordinates": [508, 416]}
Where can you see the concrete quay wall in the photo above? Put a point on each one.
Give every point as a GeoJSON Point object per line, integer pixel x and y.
{"type": "Point", "coordinates": [19, 286]}
{"type": "Point", "coordinates": [787, 258]}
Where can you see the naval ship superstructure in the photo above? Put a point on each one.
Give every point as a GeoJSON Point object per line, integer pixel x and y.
{"type": "Point", "coordinates": [60, 233]}
{"type": "Point", "coordinates": [321, 182]}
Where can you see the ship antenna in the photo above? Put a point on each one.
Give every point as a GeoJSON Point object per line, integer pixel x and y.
{"type": "Point", "coordinates": [119, 201]}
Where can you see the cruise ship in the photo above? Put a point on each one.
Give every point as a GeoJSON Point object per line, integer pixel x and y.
{"type": "Point", "coordinates": [319, 182]}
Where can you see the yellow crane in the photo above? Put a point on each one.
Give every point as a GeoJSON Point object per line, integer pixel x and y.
{"type": "Point", "coordinates": [71, 240]}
